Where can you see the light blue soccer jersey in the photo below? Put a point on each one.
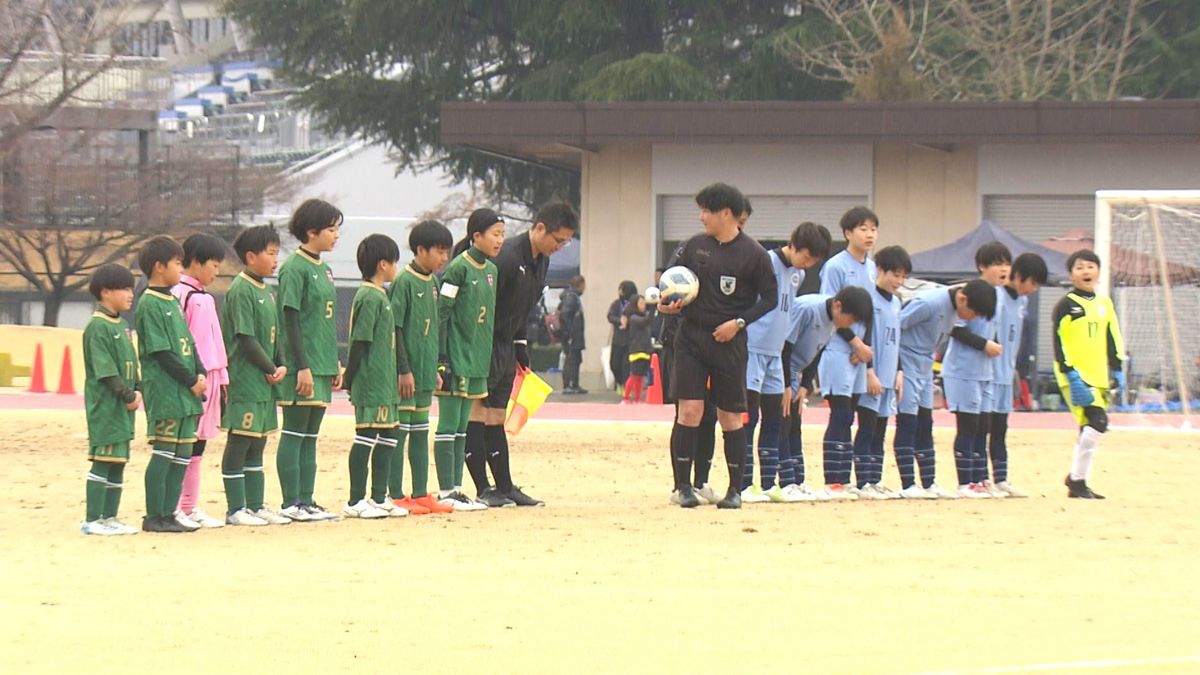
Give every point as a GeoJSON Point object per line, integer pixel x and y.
{"type": "Point", "coordinates": [844, 270]}
{"type": "Point", "coordinates": [967, 363]}
{"type": "Point", "coordinates": [810, 330]}
{"type": "Point", "coordinates": [1010, 318]}
{"type": "Point", "coordinates": [767, 335]}
{"type": "Point", "coordinates": [886, 337]}
{"type": "Point", "coordinates": [924, 323]}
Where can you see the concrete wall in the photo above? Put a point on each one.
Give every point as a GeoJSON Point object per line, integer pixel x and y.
{"type": "Point", "coordinates": [617, 237]}
{"type": "Point", "coordinates": [1083, 169]}
{"type": "Point", "coordinates": [925, 197]}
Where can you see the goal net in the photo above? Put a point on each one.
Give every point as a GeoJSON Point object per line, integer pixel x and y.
{"type": "Point", "coordinates": [1149, 242]}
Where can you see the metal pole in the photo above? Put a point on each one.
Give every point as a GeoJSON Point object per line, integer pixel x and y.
{"type": "Point", "coordinates": [1169, 300]}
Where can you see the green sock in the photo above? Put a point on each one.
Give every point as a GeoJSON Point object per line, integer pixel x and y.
{"type": "Point", "coordinates": [287, 457]}
{"type": "Point", "coordinates": [112, 496]}
{"type": "Point", "coordinates": [381, 462]}
{"type": "Point", "coordinates": [156, 478]}
{"type": "Point", "coordinates": [418, 453]}
{"type": "Point", "coordinates": [255, 480]}
{"type": "Point", "coordinates": [308, 455]}
{"type": "Point", "coordinates": [460, 441]}
{"type": "Point", "coordinates": [233, 464]}
{"type": "Point", "coordinates": [179, 465]}
{"type": "Point", "coordinates": [396, 468]}
{"type": "Point", "coordinates": [97, 485]}
{"type": "Point", "coordinates": [360, 458]}
{"type": "Point", "coordinates": [443, 440]}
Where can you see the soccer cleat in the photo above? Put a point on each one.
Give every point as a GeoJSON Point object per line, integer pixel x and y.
{"type": "Point", "coordinates": [460, 502]}
{"type": "Point", "coordinates": [434, 506]}
{"type": "Point", "coordinates": [99, 527]}
{"type": "Point", "coordinates": [751, 495]}
{"type": "Point", "coordinates": [494, 499]}
{"type": "Point", "coordinates": [799, 493]}
{"type": "Point", "coordinates": [1078, 489]}
{"type": "Point", "coordinates": [971, 491]}
{"type": "Point", "coordinates": [872, 492]}
{"type": "Point", "coordinates": [937, 492]}
{"type": "Point", "coordinates": [204, 519]}
{"type": "Point", "coordinates": [162, 524]}
{"type": "Point", "coordinates": [914, 491]}
{"type": "Point", "coordinates": [837, 492]}
{"type": "Point", "coordinates": [243, 517]}
{"type": "Point", "coordinates": [522, 499]}
{"type": "Point", "coordinates": [318, 512]}
{"type": "Point", "coordinates": [707, 493]}
{"type": "Point", "coordinates": [409, 504]}
{"type": "Point", "coordinates": [685, 498]}
{"type": "Point", "coordinates": [1010, 491]}
{"type": "Point", "coordinates": [272, 517]}
{"type": "Point", "coordinates": [393, 510]}
{"type": "Point", "coordinates": [887, 492]}
{"type": "Point", "coordinates": [774, 494]}
{"type": "Point", "coordinates": [296, 513]}
{"type": "Point", "coordinates": [993, 491]}
{"type": "Point", "coordinates": [363, 509]}
{"type": "Point", "coordinates": [732, 500]}
{"type": "Point", "coordinates": [121, 528]}
{"type": "Point", "coordinates": [185, 522]}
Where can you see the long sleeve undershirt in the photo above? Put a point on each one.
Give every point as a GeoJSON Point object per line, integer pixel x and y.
{"type": "Point", "coordinates": [358, 350]}
{"type": "Point", "coordinates": [291, 324]}
{"type": "Point", "coordinates": [255, 354]}
{"type": "Point", "coordinates": [965, 336]}
{"type": "Point", "coordinates": [119, 388]}
{"type": "Point", "coordinates": [402, 365]}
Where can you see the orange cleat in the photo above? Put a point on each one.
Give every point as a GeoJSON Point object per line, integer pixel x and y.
{"type": "Point", "coordinates": [431, 505]}
{"type": "Point", "coordinates": [414, 509]}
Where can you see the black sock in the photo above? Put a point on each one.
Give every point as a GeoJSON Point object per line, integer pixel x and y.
{"type": "Point", "coordinates": [198, 447]}
{"type": "Point", "coordinates": [735, 457]}
{"type": "Point", "coordinates": [683, 449]}
{"type": "Point", "coordinates": [476, 456]}
{"type": "Point", "coordinates": [862, 446]}
{"type": "Point", "coordinates": [999, 447]}
{"type": "Point", "coordinates": [496, 443]}
{"type": "Point", "coordinates": [964, 444]}
{"type": "Point", "coordinates": [705, 444]}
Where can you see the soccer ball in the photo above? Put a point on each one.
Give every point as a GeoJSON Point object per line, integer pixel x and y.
{"type": "Point", "coordinates": [678, 283]}
{"type": "Point", "coordinates": [651, 295]}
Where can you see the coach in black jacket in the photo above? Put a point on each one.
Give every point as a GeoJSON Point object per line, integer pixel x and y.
{"type": "Point", "coordinates": [521, 277]}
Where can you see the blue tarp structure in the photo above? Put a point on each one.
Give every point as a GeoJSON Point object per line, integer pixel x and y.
{"type": "Point", "coordinates": [956, 260]}
{"type": "Point", "coordinates": [564, 263]}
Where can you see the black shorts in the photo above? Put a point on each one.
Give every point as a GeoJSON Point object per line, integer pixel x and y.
{"type": "Point", "coordinates": [639, 367]}
{"type": "Point", "coordinates": [501, 374]}
{"type": "Point", "coordinates": [698, 357]}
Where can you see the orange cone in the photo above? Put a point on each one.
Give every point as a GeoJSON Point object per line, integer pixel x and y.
{"type": "Point", "coordinates": [37, 378]}
{"type": "Point", "coordinates": [654, 393]}
{"type": "Point", "coordinates": [66, 379]}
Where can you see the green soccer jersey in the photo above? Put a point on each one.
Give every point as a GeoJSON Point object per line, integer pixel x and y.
{"type": "Point", "coordinates": [249, 309]}
{"type": "Point", "coordinates": [371, 321]}
{"type": "Point", "coordinates": [306, 285]}
{"type": "Point", "coordinates": [415, 305]}
{"type": "Point", "coordinates": [108, 352]}
{"type": "Point", "coordinates": [468, 298]}
{"type": "Point", "coordinates": [161, 328]}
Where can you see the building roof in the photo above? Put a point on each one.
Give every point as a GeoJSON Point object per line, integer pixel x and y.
{"type": "Point", "coordinates": [557, 133]}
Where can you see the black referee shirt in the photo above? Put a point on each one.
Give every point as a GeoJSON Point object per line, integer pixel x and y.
{"type": "Point", "coordinates": [736, 280]}
{"type": "Point", "coordinates": [522, 278]}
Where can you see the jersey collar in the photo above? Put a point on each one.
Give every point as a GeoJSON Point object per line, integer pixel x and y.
{"type": "Point", "coordinates": [413, 270]}
{"type": "Point", "coordinates": [470, 256]}
{"type": "Point", "coordinates": [159, 294]}
{"type": "Point", "coordinates": [368, 284]}
{"type": "Point", "coordinates": [782, 258]}
{"type": "Point", "coordinates": [249, 277]}
{"type": "Point", "coordinates": [314, 258]}
{"type": "Point", "coordinates": [103, 312]}
{"type": "Point", "coordinates": [190, 281]}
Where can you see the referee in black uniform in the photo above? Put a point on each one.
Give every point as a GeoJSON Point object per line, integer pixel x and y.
{"type": "Point", "coordinates": [737, 286]}
{"type": "Point", "coordinates": [521, 277]}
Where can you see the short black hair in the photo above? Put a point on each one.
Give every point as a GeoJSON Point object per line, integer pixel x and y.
{"type": "Point", "coordinates": [430, 234]}
{"type": "Point", "coordinates": [110, 277]}
{"type": "Point", "coordinates": [746, 208]}
{"type": "Point", "coordinates": [719, 196]}
{"type": "Point", "coordinates": [1082, 254]}
{"type": "Point", "coordinates": [160, 249]}
{"type": "Point", "coordinates": [557, 216]}
{"type": "Point", "coordinates": [255, 240]}
{"type": "Point", "coordinates": [373, 250]}
{"type": "Point", "coordinates": [981, 297]}
{"type": "Point", "coordinates": [857, 216]}
{"type": "Point", "coordinates": [202, 247]}
{"type": "Point", "coordinates": [893, 259]}
{"type": "Point", "coordinates": [992, 253]}
{"type": "Point", "coordinates": [313, 214]}
{"type": "Point", "coordinates": [1030, 266]}
{"type": "Point", "coordinates": [855, 302]}
{"type": "Point", "coordinates": [813, 238]}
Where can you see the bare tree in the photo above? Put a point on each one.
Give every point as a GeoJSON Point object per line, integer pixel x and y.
{"type": "Point", "coordinates": [971, 49]}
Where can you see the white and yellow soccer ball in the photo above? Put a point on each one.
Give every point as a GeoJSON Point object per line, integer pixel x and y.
{"type": "Point", "coordinates": [678, 283]}
{"type": "Point", "coordinates": [651, 295]}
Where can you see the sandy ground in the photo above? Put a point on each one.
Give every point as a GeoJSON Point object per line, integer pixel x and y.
{"type": "Point", "coordinates": [609, 577]}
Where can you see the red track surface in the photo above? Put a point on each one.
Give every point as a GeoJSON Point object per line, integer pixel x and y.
{"type": "Point", "coordinates": [553, 410]}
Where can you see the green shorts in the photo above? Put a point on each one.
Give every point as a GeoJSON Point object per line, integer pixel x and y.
{"type": "Point", "coordinates": [172, 431]}
{"type": "Point", "coordinates": [420, 402]}
{"type": "Point", "coordinates": [256, 419]}
{"type": "Point", "coordinates": [375, 417]}
{"type": "Point", "coordinates": [322, 391]}
{"type": "Point", "coordinates": [466, 387]}
{"type": "Point", "coordinates": [117, 453]}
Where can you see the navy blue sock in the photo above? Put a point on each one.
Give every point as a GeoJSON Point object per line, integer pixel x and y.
{"type": "Point", "coordinates": [902, 447]}
{"type": "Point", "coordinates": [862, 447]}
{"type": "Point", "coordinates": [979, 449]}
{"type": "Point", "coordinates": [877, 450]}
{"type": "Point", "coordinates": [795, 445]}
{"type": "Point", "coordinates": [999, 447]}
{"type": "Point", "coordinates": [964, 445]}
{"type": "Point", "coordinates": [837, 440]}
{"type": "Point", "coordinates": [768, 440]}
{"type": "Point", "coordinates": [923, 447]}
{"type": "Point", "coordinates": [750, 426]}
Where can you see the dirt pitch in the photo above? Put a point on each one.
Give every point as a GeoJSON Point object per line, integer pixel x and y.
{"type": "Point", "coordinates": [609, 578]}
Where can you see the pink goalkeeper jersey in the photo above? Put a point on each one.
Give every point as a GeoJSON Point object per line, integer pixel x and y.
{"type": "Point", "coordinates": [200, 310]}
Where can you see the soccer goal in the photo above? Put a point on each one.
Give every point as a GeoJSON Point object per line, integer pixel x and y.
{"type": "Point", "coordinates": [1149, 242]}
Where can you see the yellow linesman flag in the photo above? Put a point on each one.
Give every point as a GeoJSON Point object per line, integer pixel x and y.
{"type": "Point", "coordinates": [529, 393]}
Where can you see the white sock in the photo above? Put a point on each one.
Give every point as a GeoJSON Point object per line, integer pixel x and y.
{"type": "Point", "coordinates": [1085, 452]}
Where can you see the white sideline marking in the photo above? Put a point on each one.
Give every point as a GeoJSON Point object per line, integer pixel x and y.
{"type": "Point", "coordinates": [1033, 667]}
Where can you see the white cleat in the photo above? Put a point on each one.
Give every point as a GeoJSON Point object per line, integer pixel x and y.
{"type": "Point", "coordinates": [886, 491]}
{"type": "Point", "coordinates": [871, 492]}
{"type": "Point", "coordinates": [272, 517]}
{"type": "Point", "coordinates": [246, 518]}
{"type": "Point", "coordinates": [915, 491]}
{"type": "Point", "coordinates": [1010, 491]}
{"type": "Point", "coordinates": [318, 512]}
{"type": "Point", "coordinates": [297, 513]}
{"type": "Point", "coordinates": [837, 492]}
{"type": "Point", "coordinates": [754, 495]}
{"type": "Point", "coordinates": [393, 511]}
{"type": "Point", "coordinates": [99, 527]}
{"type": "Point", "coordinates": [938, 493]}
{"type": "Point", "coordinates": [799, 493]}
{"type": "Point", "coordinates": [972, 491]}
{"type": "Point", "coordinates": [460, 502]}
{"type": "Point", "coordinates": [993, 491]}
{"type": "Point", "coordinates": [120, 527]}
{"type": "Point", "coordinates": [779, 495]}
{"type": "Point", "coordinates": [363, 509]}
{"type": "Point", "coordinates": [707, 494]}
{"type": "Point", "coordinates": [204, 519]}
{"type": "Point", "coordinates": [186, 522]}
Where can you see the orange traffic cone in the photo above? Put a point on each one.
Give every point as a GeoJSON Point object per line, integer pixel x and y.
{"type": "Point", "coordinates": [654, 393]}
{"type": "Point", "coordinates": [66, 379]}
{"type": "Point", "coordinates": [37, 378]}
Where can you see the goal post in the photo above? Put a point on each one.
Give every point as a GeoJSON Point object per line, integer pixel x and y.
{"type": "Point", "coordinates": [1149, 245]}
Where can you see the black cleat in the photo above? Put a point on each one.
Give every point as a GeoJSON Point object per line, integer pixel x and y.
{"type": "Point", "coordinates": [686, 498]}
{"type": "Point", "coordinates": [151, 524]}
{"type": "Point", "coordinates": [494, 499]}
{"type": "Point", "coordinates": [522, 499]}
{"type": "Point", "coordinates": [1078, 489]}
{"type": "Point", "coordinates": [732, 500]}
{"type": "Point", "coordinates": [162, 524]}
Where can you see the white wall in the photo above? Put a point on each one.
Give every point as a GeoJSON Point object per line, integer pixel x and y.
{"type": "Point", "coordinates": [1084, 169]}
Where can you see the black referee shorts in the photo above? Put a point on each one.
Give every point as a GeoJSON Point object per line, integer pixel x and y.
{"type": "Point", "coordinates": [699, 358]}
{"type": "Point", "coordinates": [501, 374]}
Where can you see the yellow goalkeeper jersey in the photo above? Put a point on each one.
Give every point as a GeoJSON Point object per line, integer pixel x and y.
{"type": "Point", "coordinates": [1087, 338]}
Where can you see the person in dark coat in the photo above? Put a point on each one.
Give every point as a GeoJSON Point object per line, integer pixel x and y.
{"type": "Point", "coordinates": [570, 315]}
{"type": "Point", "coordinates": [638, 328]}
{"type": "Point", "coordinates": [618, 358]}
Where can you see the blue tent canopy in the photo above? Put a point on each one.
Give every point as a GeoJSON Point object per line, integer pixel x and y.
{"type": "Point", "coordinates": [957, 259]}
{"type": "Point", "coordinates": [564, 263]}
